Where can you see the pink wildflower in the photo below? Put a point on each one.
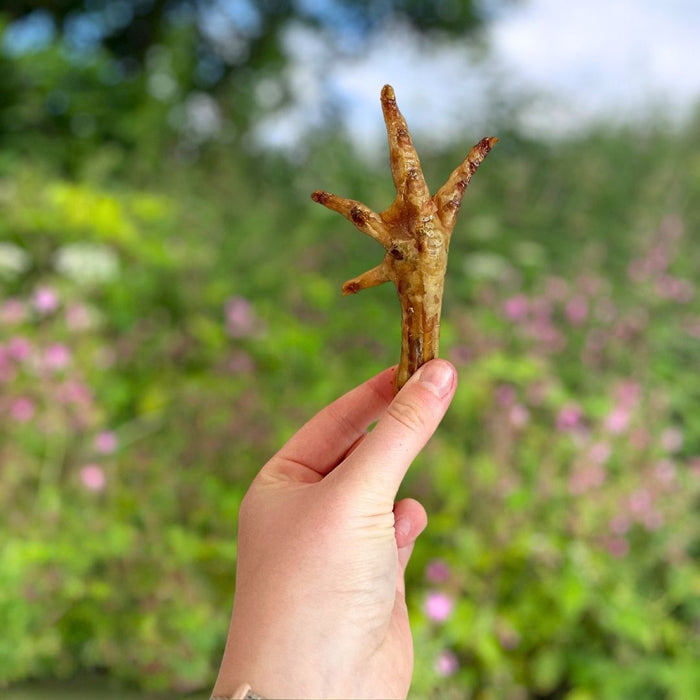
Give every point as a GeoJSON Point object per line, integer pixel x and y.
{"type": "Point", "coordinates": [605, 310]}
{"type": "Point", "coordinates": [620, 524]}
{"type": "Point", "coordinates": [658, 259]}
{"type": "Point", "coordinates": [680, 290]}
{"type": "Point", "coordinates": [438, 606]}
{"type": "Point", "coordinates": [519, 416]}
{"type": "Point", "coordinates": [639, 438]}
{"type": "Point", "coordinates": [617, 420]}
{"type": "Point", "coordinates": [638, 270]}
{"type": "Point", "coordinates": [694, 467]}
{"type": "Point", "coordinates": [577, 310]}
{"type": "Point", "coordinates": [591, 284]}
{"type": "Point", "coordinates": [7, 370]}
{"type": "Point", "coordinates": [665, 473]}
{"type": "Point", "coordinates": [241, 320]}
{"type": "Point", "coordinates": [461, 354]}
{"type": "Point", "coordinates": [541, 308]}
{"type": "Point", "coordinates": [577, 483]}
{"type": "Point", "coordinates": [627, 393]}
{"type": "Point", "coordinates": [640, 501]}
{"type": "Point", "coordinates": [570, 417]}
{"type": "Point", "coordinates": [57, 356]}
{"type": "Point", "coordinates": [596, 341]}
{"type": "Point", "coordinates": [543, 331]}
{"type": "Point", "coordinates": [633, 323]}
{"type": "Point", "coordinates": [600, 452]}
{"type": "Point", "coordinates": [241, 362]}
{"type": "Point", "coordinates": [13, 311]}
{"type": "Point", "coordinates": [653, 520]}
{"type": "Point", "coordinates": [78, 317]}
{"type": "Point", "coordinates": [74, 391]}
{"type": "Point", "coordinates": [585, 479]}
{"type": "Point", "coordinates": [618, 546]}
{"type": "Point", "coordinates": [93, 477]}
{"type": "Point", "coordinates": [556, 288]}
{"type": "Point", "coordinates": [22, 409]}
{"type": "Point", "coordinates": [508, 637]}
{"type": "Point", "coordinates": [437, 571]}
{"type": "Point", "coordinates": [45, 300]}
{"type": "Point", "coordinates": [505, 395]}
{"type": "Point", "coordinates": [516, 308]}
{"type": "Point", "coordinates": [106, 442]}
{"type": "Point", "coordinates": [19, 348]}
{"type": "Point", "coordinates": [446, 663]}
{"type": "Point", "coordinates": [672, 439]}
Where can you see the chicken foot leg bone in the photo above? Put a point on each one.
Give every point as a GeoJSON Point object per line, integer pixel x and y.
{"type": "Point", "coordinates": [415, 232]}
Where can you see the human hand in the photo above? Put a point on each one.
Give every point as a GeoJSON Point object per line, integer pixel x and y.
{"type": "Point", "coordinates": [319, 609]}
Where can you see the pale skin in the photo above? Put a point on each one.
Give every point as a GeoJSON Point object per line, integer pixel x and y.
{"type": "Point", "coordinates": [323, 545]}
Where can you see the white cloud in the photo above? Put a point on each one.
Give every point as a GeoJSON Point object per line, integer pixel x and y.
{"type": "Point", "coordinates": [439, 88]}
{"type": "Point", "coordinates": [617, 60]}
{"type": "Point", "coordinates": [604, 56]}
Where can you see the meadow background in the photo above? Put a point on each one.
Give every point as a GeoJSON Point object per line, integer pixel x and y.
{"type": "Point", "coordinates": [171, 313]}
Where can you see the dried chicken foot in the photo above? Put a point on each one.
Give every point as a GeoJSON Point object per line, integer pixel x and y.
{"type": "Point", "coordinates": [415, 232]}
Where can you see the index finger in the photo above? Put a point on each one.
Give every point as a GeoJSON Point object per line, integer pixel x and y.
{"type": "Point", "coordinates": [323, 441]}
{"type": "Point", "coordinates": [381, 461]}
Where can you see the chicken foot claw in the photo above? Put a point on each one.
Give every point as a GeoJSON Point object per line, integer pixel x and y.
{"type": "Point", "coordinates": [415, 232]}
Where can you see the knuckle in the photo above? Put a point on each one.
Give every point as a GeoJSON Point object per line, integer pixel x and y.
{"type": "Point", "coordinates": [407, 413]}
{"type": "Point", "coordinates": [346, 427]}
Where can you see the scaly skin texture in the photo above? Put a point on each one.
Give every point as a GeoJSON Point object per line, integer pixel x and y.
{"type": "Point", "coordinates": [415, 231]}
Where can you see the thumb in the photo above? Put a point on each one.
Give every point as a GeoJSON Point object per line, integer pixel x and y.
{"type": "Point", "coordinates": [381, 461]}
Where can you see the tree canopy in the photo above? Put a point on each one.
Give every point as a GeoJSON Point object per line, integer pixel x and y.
{"type": "Point", "coordinates": [84, 68]}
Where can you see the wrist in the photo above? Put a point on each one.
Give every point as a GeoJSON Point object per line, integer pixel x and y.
{"type": "Point", "coordinates": [243, 692]}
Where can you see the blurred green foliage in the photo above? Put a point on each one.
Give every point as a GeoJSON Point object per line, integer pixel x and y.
{"type": "Point", "coordinates": [171, 313]}
{"type": "Point", "coordinates": [139, 73]}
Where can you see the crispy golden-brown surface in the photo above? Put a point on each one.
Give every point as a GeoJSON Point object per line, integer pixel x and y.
{"type": "Point", "coordinates": [415, 232]}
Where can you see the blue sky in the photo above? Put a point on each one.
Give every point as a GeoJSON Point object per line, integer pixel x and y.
{"type": "Point", "coordinates": [569, 64]}
{"type": "Point", "coordinates": [579, 62]}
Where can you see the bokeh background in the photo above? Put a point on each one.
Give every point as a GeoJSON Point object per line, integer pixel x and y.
{"type": "Point", "coordinates": [171, 313]}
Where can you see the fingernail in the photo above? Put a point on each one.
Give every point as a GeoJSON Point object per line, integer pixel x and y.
{"type": "Point", "coordinates": [403, 526]}
{"type": "Point", "coordinates": [438, 376]}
